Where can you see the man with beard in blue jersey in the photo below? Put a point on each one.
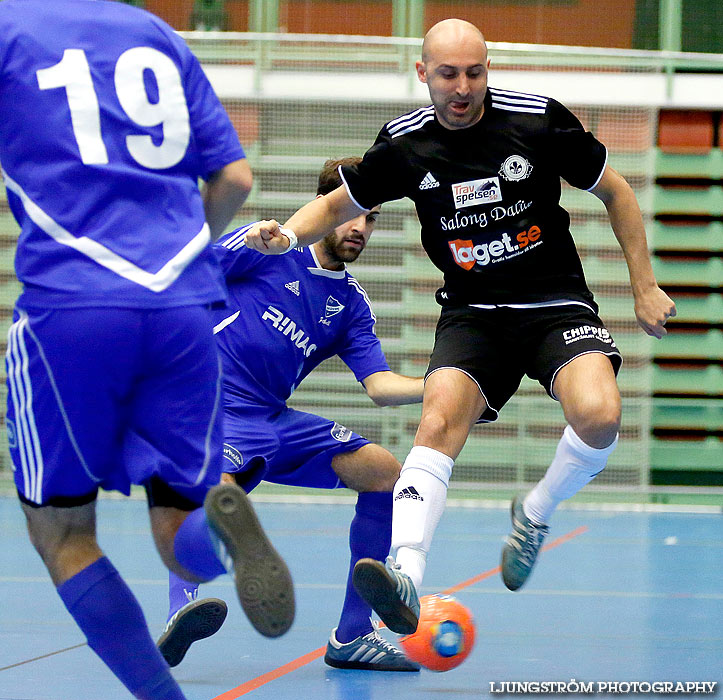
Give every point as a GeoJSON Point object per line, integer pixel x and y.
{"type": "Point", "coordinates": [107, 122]}
{"type": "Point", "coordinates": [283, 320]}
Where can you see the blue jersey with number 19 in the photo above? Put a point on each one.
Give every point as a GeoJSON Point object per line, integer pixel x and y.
{"type": "Point", "coordinates": [102, 144]}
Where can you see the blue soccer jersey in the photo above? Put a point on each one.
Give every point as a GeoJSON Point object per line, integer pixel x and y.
{"type": "Point", "coordinates": [286, 315]}
{"type": "Point", "coordinates": [105, 190]}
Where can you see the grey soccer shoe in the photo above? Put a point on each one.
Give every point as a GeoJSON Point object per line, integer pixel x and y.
{"type": "Point", "coordinates": [263, 582]}
{"type": "Point", "coordinates": [368, 653]}
{"type": "Point", "coordinates": [521, 547]}
{"type": "Point", "coordinates": [195, 620]}
{"type": "Point", "coordinates": [389, 592]}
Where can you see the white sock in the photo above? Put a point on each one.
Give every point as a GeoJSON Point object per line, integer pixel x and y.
{"type": "Point", "coordinates": [575, 464]}
{"type": "Point", "coordinates": [419, 497]}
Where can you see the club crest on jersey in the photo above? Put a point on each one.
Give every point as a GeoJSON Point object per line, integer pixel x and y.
{"type": "Point", "coordinates": [475, 192]}
{"type": "Point", "coordinates": [340, 433]}
{"type": "Point", "coordinates": [333, 307]}
{"type": "Point", "coordinates": [515, 168]}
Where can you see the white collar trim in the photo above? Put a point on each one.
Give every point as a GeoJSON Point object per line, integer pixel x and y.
{"type": "Point", "coordinates": [322, 271]}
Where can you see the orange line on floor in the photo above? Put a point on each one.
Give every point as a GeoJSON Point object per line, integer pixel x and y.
{"type": "Point", "coordinates": [257, 682]}
{"type": "Point", "coordinates": [271, 675]}
{"type": "Point", "coordinates": [486, 574]}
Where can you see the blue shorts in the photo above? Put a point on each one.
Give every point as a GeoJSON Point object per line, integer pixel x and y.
{"type": "Point", "coordinates": [284, 447]}
{"type": "Point", "coordinates": [85, 384]}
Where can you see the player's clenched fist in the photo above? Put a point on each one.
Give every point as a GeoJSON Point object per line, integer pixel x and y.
{"type": "Point", "coordinates": [269, 238]}
{"type": "Point", "coordinates": [653, 308]}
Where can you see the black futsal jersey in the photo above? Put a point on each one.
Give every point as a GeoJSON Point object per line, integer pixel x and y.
{"type": "Point", "coordinates": [488, 196]}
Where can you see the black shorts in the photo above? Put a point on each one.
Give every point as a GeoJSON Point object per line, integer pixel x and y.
{"type": "Point", "coordinates": [497, 347]}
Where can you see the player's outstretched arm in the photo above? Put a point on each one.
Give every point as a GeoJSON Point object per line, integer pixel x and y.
{"type": "Point", "coordinates": [224, 194]}
{"type": "Point", "coordinates": [653, 307]}
{"type": "Point", "coordinates": [392, 389]}
{"type": "Point", "coordinates": [311, 223]}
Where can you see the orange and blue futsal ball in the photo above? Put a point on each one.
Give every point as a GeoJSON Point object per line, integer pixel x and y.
{"type": "Point", "coordinates": [445, 634]}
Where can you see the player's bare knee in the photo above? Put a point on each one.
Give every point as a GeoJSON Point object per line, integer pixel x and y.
{"type": "Point", "coordinates": [370, 468]}
{"type": "Point", "coordinates": [389, 470]}
{"type": "Point", "coordinates": [45, 543]}
{"type": "Point", "coordinates": [52, 529]}
{"type": "Point", "coordinates": [64, 538]}
{"type": "Point", "coordinates": [434, 428]}
{"type": "Point", "coordinates": [598, 429]}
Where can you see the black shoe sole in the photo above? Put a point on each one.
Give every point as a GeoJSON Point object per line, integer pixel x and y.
{"type": "Point", "coordinates": [511, 584]}
{"type": "Point", "coordinates": [199, 620]}
{"type": "Point", "coordinates": [377, 588]}
{"type": "Point", "coordinates": [263, 581]}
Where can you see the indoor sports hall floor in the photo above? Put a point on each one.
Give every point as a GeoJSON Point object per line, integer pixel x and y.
{"type": "Point", "coordinates": [617, 596]}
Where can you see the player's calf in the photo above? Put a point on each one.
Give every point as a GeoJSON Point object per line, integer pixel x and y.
{"type": "Point", "coordinates": [369, 468]}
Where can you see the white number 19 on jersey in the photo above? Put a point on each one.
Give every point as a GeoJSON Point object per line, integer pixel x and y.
{"type": "Point", "coordinates": [170, 111]}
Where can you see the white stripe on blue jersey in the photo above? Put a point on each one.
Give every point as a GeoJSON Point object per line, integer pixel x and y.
{"type": "Point", "coordinates": [238, 239]}
{"type": "Point", "coordinates": [156, 282]}
{"type": "Point", "coordinates": [226, 321]}
{"type": "Point", "coordinates": [355, 285]}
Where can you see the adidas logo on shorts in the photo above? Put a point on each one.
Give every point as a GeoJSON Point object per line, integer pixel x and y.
{"type": "Point", "coordinates": [428, 182]}
{"type": "Point", "coordinates": [409, 492]}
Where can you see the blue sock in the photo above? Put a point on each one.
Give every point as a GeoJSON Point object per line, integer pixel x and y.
{"type": "Point", "coordinates": [180, 593]}
{"type": "Point", "coordinates": [109, 616]}
{"type": "Point", "coordinates": [194, 547]}
{"type": "Point", "coordinates": [370, 535]}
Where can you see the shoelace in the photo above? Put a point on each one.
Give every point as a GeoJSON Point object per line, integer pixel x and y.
{"type": "Point", "coordinates": [377, 639]}
{"type": "Point", "coordinates": [531, 538]}
{"type": "Point", "coordinates": [391, 564]}
{"type": "Point", "coordinates": [404, 583]}
{"type": "Point", "coordinates": [191, 596]}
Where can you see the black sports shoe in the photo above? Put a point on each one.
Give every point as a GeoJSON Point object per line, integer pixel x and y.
{"type": "Point", "coordinates": [521, 547]}
{"type": "Point", "coordinates": [368, 653]}
{"type": "Point", "coordinates": [195, 620]}
{"type": "Point", "coordinates": [390, 593]}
